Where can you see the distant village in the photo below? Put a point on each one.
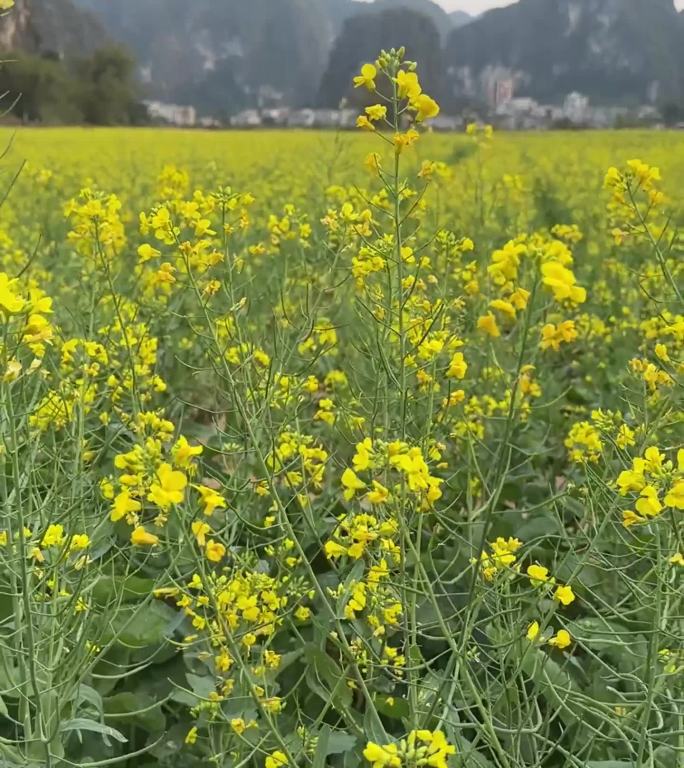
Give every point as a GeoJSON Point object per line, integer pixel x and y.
{"type": "Point", "coordinates": [496, 90]}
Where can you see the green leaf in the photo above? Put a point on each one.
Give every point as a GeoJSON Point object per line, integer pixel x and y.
{"type": "Point", "coordinates": [202, 686]}
{"type": "Point", "coordinates": [331, 743]}
{"type": "Point", "coordinates": [394, 706]}
{"type": "Point", "coordinates": [553, 683]}
{"type": "Point", "coordinates": [78, 724]}
{"type": "Point", "coordinates": [374, 729]}
{"type": "Point", "coordinates": [325, 678]}
{"type": "Point", "coordinates": [467, 756]}
{"type": "Point", "coordinates": [138, 708]}
{"type": "Point", "coordinates": [538, 527]}
{"type": "Point", "coordinates": [626, 648]}
{"type": "Point", "coordinates": [88, 695]}
{"type": "Point", "coordinates": [144, 625]}
{"type": "Point", "coordinates": [10, 756]}
{"type": "Point", "coordinates": [341, 742]}
{"type": "Point", "coordinates": [127, 589]}
{"type": "Point", "coordinates": [321, 753]}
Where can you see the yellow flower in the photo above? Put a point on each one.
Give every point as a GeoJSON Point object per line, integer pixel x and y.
{"type": "Point", "coordinates": [200, 531]}
{"type": "Point", "coordinates": [333, 549]}
{"type": "Point", "coordinates": [373, 162]}
{"type": "Point", "coordinates": [625, 437]}
{"type": "Point", "coordinates": [408, 86]}
{"type": "Point", "coordinates": [276, 760]}
{"type": "Point", "coordinates": [505, 307]}
{"type": "Point", "coordinates": [562, 282]}
{"type": "Point", "coordinates": [425, 106]}
{"type": "Point", "coordinates": [555, 335]}
{"type": "Point", "coordinates": [53, 537]}
{"type": "Point", "coordinates": [564, 595]}
{"type": "Point", "coordinates": [677, 559]}
{"type": "Point", "coordinates": [376, 112]}
{"type": "Point", "coordinates": [211, 500]}
{"type": "Point", "coordinates": [403, 140]}
{"type": "Point", "coordinates": [169, 488]}
{"type": "Point", "coordinates": [147, 252]}
{"type": "Point", "coordinates": [379, 494]}
{"type": "Point", "coordinates": [351, 483]}
{"type": "Point", "coordinates": [675, 496]}
{"type": "Point", "coordinates": [141, 538]}
{"type": "Point", "coordinates": [191, 736]}
{"type": "Point", "coordinates": [533, 631]}
{"type": "Point", "coordinates": [561, 639]}
{"type": "Point", "coordinates": [631, 480]}
{"type": "Point", "coordinates": [5, 5]}
{"type": "Point", "coordinates": [238, 725]}
{"type": "Point", "coordinates": [13, 371]}
{"type": "Point", "coordinates": [662, 353]}
{"type": "Point", "coordinates": [649, 504]}
{"type": "Point", "coordinates": [538, 574]}
{"type": "Point", "coordinates": [123, 506]}
{"type": "Point", "coordinates": [366, 79]}
{"type": "Point", "coordinates": [630, 518]}
{"type": "Point", "coordinates": [487, 323]}
{"type": "Point", "coordinates": [79, 541]}
{"type": "Point", "coordinates": [457, 367]}
{"type": "Point", "coordinates": [183, 453]}
{"type": "Point", "coordinates": [653, 460]}
{"type": "Point", "coordinates": [382, 756]}
{"type": "Point", "coordinates": [215, 551]}
{"type": "Point", "coordinates": [10, 302]}
{"type": "Point", "coordinates": [364, 123]}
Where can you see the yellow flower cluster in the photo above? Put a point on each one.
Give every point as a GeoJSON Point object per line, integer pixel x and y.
{"type": "Point", "coordinates": [420, 748]}
{"type": "Point", "coordinates": [654, 483]}
{"type": "Point", "coordinates": [405, 464]}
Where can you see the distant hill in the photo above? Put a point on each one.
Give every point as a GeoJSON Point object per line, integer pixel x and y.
{"type": "Point", "coordinates": [226, 52]}
{"type": "Point", "coordinates": [361, 38]}
{"type": "Point", "coordinates": [615, 51]}
{"type": "Point", "coordinates": [225, 55]}
{"type": "Point", "coordinates": [440, 18]}
{"type": "Point", "coordinates": [460, 18]}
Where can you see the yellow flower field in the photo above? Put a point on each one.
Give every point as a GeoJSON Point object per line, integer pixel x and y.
{"type": "Point", "coordinates": [358, 449]}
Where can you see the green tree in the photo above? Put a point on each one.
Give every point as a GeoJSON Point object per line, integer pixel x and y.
{"type": "Point", "coordinates": [40, 89]}
{"type": "Point", "coordinates": [107, 86]}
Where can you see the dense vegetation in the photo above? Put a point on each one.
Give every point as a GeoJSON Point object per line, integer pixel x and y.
{"type": "Point", "coordinates": [342, 451]}
{"type": "Point", "coordinates": [100, 89]}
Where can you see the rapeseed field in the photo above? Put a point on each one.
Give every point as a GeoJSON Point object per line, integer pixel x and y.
{"type": "Point", "coordinates": [358, 449]}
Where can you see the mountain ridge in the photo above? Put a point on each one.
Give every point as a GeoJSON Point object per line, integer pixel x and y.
{"type": "Point", "coordinates": [222, 56]}
{"type": "Point", "coordinates": [612, 50]}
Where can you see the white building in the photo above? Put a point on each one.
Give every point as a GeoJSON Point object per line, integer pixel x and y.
{"type": "Point", "coordinates": [174, 114]}
{"type": "Point", "coordinates": [576, 108]}
{"type": "Point", "coordinates": [302, 118]}
{"type": "Point", "coordinates": [248, 118]}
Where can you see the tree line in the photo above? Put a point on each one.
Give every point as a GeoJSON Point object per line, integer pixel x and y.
{"type": "Point", "coordinates": [99, 89]}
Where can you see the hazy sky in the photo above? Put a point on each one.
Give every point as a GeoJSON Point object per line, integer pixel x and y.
{"type": "Point", "coordinates": [472, 6]}
{"type": "Point", "coordinates": [477, 6]}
